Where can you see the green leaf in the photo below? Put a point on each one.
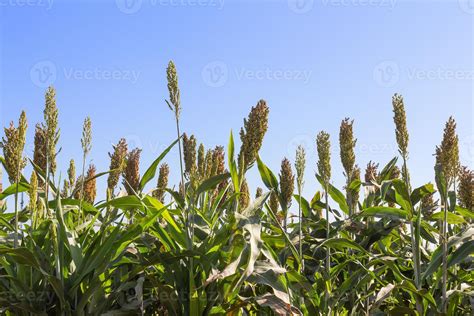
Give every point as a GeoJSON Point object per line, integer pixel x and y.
{"type": "Point", "coordinates": [384, 212]}
{"type": "Point", "coordinates": [336, 195]}
{"type": "Point", "coordinates": [21, 255]}
{"type": "Point", "coordinates": [90, 209]}
{"type": "Point", "coordinates": [305, 207]}
{"type": "Point", "coordinates": [212, 182]}
{"type": "Point", "coordinates": [464, 212]}
{"type": "Point", "coordinates": [232, 165]}
{"type": "Point", "coordinates": [267, 176]}
{"type": "Point", "coordinates": [355, 185]}
{"type": "Point", "coordinates": [12, 189]}
{"type": "Point", "coordinates": [421, 192]}
{"type": "Point", "coordinates": [342, 243]}
{"type": "Point", "coordinates": [453, 219]}
{"type": "Point", "coordinates": [151, 171]}
{"type": "Point", "coordinates": [124, 203]}
{"type": "Point", "coordinates": [441, 182]}
{"type": "Point", "coordinates": [256, 205]}
{"type": "Point", "coordinates": [464, 251]}
{"type": "Point", "coordinates": [386, 173]}
{"type": "Point", "coordinates": [402, 196]}
{"type": "Point", "coordinates": [285, 235]}
{"type": "Point", "coordinates": [435, 262]}
{"type": "Point", "coordinates": [177, 198]}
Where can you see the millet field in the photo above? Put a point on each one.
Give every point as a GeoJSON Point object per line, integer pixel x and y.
{"type": "Point", "coordinates": [213, 245]}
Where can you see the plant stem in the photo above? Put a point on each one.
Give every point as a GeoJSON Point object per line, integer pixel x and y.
{"type": "Point", "coordinates": [82, 185]}
{"type": "Point", "coordinates": [15, 240]}
{"type": "Point", "coordinates": [445, 254]}
{"type": "Point", "coordinates": [46, 189]}
{"type": "Point", "coordinates": [328, 260]}
{"type": "Point", "coordinates": [300, 215]}
{"type": "Point", "coordinates": [415, 240]}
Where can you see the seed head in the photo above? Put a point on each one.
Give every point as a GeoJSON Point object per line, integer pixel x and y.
{"type": "Point", "coordinates": [401, 131]}
{"type": "Point", "coordinates": [201, 162]}
{"type": "Point", "coordinates": [252, 134]}
{"type": "Point", "coordinates": [354, 194]}
{"type": "Point", "coordinates": [86, 140]}
{"type": "Point", "coordinates": [162, 184]}
{"type": "Point", "coordinates": [189, 149]}
{"type": "Point", "coordinates": [300, 165]}
{"type": "Point", "coordinates": [273, 203]}
{"type": "Point", "coordinates": [22, 126]}
{"type": "Point", "coordinates": [447, 154]}
{"type": "Point", "coordinates": [287, 183]}
{"type": "Point", "coordinates": [13, 145]}
{"type": "Point", "coordinates": [208, 160]}
{"type": "Point", "coordinates": [173, 88]}
{"type": "Point", "coordinates": [428, 205]}
{"type": "Point", "coordinates": [131, 174]}
{"type": "Point", "coordinates": [117, 163]}
{"type": "Point", "coordinates": [347, 144]}
{"type": "Point", "coordinates": [33, 192]}
{"type": "Point", "coordinates": [244, 198]}
{"type": "Point", "coordinates": [466, 188]}
{"type": "Point", "coordinates": [52, 132]}
{"type": "Point", "coordinates": [90, 189]}
{"type": "Point", "coordinates": [218, 165]}
{"type": "Point", "coordinates": [259, 192]}
{"type": "Point", "coordinates": [71, 172]}
{"type": "Point", "coordinates": [323, 145]}
{"type": "Point", "coordinates": [77, 188]}
{"type": "Point", "coordinates": [371, 172]}
{"type": "Point", "coordinates": [396, 173]}
{"type": "Point", "coordinates": [39, 154]}
{"type": "Point", "coordinates": [40, 209]}
{"type": "Point", "coordinates": [66, 188]}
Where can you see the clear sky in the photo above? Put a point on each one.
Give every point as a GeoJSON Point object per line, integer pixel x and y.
{"type": "Point", "coordinates": [314, 62]}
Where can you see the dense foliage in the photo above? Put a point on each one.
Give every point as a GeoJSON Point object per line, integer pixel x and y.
{"type": "Point", "coordinates": [209, 247]}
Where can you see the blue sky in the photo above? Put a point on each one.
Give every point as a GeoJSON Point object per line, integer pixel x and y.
{"type": "Point", "coordinates": [314, 62]}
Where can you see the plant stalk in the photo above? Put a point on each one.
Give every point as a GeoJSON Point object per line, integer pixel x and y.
{"type": "Point", "coordinates": [444, 233]}
{"type": "Point", "coordinates": [328, 253]}
{"type": "Point", "coordinates": [415, 240]}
